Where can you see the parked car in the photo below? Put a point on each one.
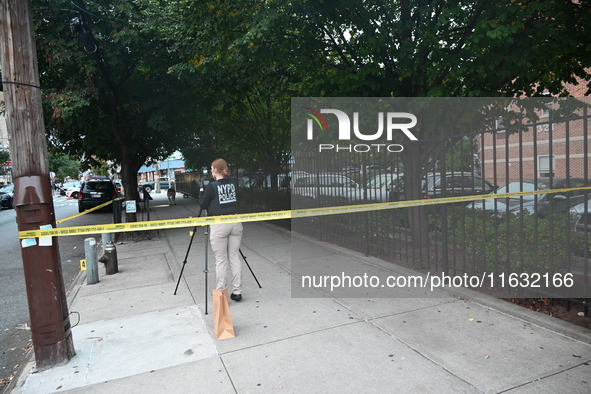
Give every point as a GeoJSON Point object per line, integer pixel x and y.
{"type": "Point", "coordinates": [582, 216]}
{"type": "Point", "coordinates": [326, 186]}
{"type": "Point", "coordinates": [456, 184]}
{"type": "Point", "coordinates": [7, 196]}
{"type": "Point", "coordinates": [541, 205]}
{"type": "Point", "coordinates": [260, 180]}
{"type": "Point", "coordinates": [348, 170]}
{"type": "Point", "coordinates": [500, 206]}
{"type": "Point", "coordinates": [151, 185]}
{"type": "Point", "coordinates": [94, 193]}
{"type": "Point", "coordinates": [70, 189]}
{"type": "Point", "coordinates": [292, 177]}
{"type": "Point", "coordinates": [379, 188]}
{"type": "Point", "coordinates": [254, 180]}
{"type": "Point", "coordinates": [560, 203]}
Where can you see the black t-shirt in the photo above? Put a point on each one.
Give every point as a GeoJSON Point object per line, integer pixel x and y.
{"type": "Point", "coordinates": [220, 197]}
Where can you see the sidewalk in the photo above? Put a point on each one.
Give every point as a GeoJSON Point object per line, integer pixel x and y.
{"type": "Point", "coordinates": [135, 336]}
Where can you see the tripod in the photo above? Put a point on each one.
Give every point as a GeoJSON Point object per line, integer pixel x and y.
{"type": "Point", "coordinates": [206, 270]}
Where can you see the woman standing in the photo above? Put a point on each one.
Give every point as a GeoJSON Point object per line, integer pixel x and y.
{"type": "Point", "coordinates": [219, 198]}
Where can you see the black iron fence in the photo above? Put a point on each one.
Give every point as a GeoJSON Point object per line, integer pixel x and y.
{"type": "Point", "coordinates": [262, 187]}
{"type": "Point", "coordinates": [515, 237]}
{"type": "Point", "coordinates": [529, 238]}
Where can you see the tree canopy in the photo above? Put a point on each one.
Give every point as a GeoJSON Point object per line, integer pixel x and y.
{"type": "Point", "coordinates": [245, 101]}
{"type": "Point", "coordinates": [215, 77]}
{"type": "Point", "coordinates": [436, 48]}
{"type": "Point", "coordinates": [63, 166]}
{"type": "Point", "coordinates": [411, 48]}
{"type": "Point", "coordinates": [108, 91]}
{"type": "Point", "coordinates": [381, 48]}
{"type": "Point", "coordinates": [4, 157]}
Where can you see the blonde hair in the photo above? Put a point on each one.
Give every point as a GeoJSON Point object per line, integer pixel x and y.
{"type": "Point", "coordinates": [222, 167]}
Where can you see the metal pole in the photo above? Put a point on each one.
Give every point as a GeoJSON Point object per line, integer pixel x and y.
{"type": "Point", "coordinates": [157, 167]}
{"type": "Point", "coordinates": [116, 217]}
{"type": "Point", "coordinates": [106, 238]}
{"type": "Point", "coordinates": [206, 270]}
{"type": "Point", "coordinates": [92, 274]}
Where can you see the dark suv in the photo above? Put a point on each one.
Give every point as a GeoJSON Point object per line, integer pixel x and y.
{"type": "Point", "coordinates": [6, 196]}
{"type": "Point", "coordinates": [94, 193]}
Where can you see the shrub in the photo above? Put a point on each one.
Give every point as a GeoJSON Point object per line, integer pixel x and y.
{"type": "Point", "coordinates": [511, 243]}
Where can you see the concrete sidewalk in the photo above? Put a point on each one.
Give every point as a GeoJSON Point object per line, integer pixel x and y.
{"type": "Point", "coordinates": [135, 336]}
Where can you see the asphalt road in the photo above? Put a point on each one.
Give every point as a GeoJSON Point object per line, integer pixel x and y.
{"type": "Point", "coordinates": [15, 334]}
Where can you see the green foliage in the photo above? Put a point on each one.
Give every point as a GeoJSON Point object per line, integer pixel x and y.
{"type": "Point", "coordinates": [372, 48]}
{"type": "Point", "coordinates": [4, 157]}
{"type": "Point", "coordinates": [215, 77]}
{"type": "Point", "coordinates": [460, 155]}
{"type": "Point", "coordinates": [64, 166]}
{"type": "Point", "coordinates": [101, 168]}
{"type": "Point", "coordinates": [511, 243]}
{"type": "Point", "coordinates": [246, 95]}
{"type": "Point", "coordinates": [414, 48]}
{"type": "Point", "coordinates": [118, 102]}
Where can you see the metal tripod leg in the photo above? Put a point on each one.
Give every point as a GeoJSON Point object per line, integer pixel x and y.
{"type": "Point", "coordinates": [185, 261]}
{"type": "Point", "coordinates": [248, 265]}
{"type": "Point", "coordinates": [206, 270]}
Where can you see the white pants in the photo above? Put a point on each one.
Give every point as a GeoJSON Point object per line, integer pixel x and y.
{"type": "Point", "coordinates": [225, 241]}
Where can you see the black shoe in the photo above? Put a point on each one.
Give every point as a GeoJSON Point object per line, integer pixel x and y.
{"type": "Point", "coordinates": [236, 297]}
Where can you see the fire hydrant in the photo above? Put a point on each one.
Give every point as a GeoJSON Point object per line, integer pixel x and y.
{"type": "Point", "coordinates": [109, 259]}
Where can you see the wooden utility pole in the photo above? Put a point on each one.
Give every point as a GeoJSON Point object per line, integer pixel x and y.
{"type": "Point", "coordinates": [33, 197]}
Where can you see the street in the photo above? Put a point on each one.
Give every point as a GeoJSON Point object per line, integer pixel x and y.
{"type": "Point", "coordinates": [15, 334]}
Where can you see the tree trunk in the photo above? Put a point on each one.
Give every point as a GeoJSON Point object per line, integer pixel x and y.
{"type": "Point", "coordinates": [129, 180]}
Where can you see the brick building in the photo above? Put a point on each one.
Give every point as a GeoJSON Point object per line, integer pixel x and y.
{"type": "Point", "coordinates": [547, 148]}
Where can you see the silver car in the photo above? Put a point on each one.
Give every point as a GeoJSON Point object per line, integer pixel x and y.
{"type": "Point", "coordinates": [71, 189]}
{"type": "Point", "coordinates": [327, 186]}
{"type": "Point", "coordinates": [582, 214]}
{"type": "Point", "coordinates": [379, 188]}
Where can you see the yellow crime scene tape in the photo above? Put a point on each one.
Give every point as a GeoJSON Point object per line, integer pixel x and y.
{"type": "Point", "coordinates": [274, 215]}
{"type": "Point", "coordinates": [89, 210]}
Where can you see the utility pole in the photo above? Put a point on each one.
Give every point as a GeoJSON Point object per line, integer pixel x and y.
{"type": "Point", "coordinates": [33, 197]}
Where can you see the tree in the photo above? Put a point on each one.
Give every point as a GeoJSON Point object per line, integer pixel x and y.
{"type": "Point", "coordinates": [247, 117]}
{"type": "Point", "coordinates": [4, 157]}
{"type": "Point", "coordinates": [64, 166]}
{"type": "Point", "coordinates": [393, 48]}
{"type": "Point", "coordinates": [101, 169]}
{"type": "Point", "coordinates": [108, 91]}
{"type": "Point", "coordinates": [254, 128]}
{"type": "Point", "coordinates": [245, 59]}
{"type": "Point", "coordinates": [418, 48]}
{"type": "Point", "coordinates": [460, 155]}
